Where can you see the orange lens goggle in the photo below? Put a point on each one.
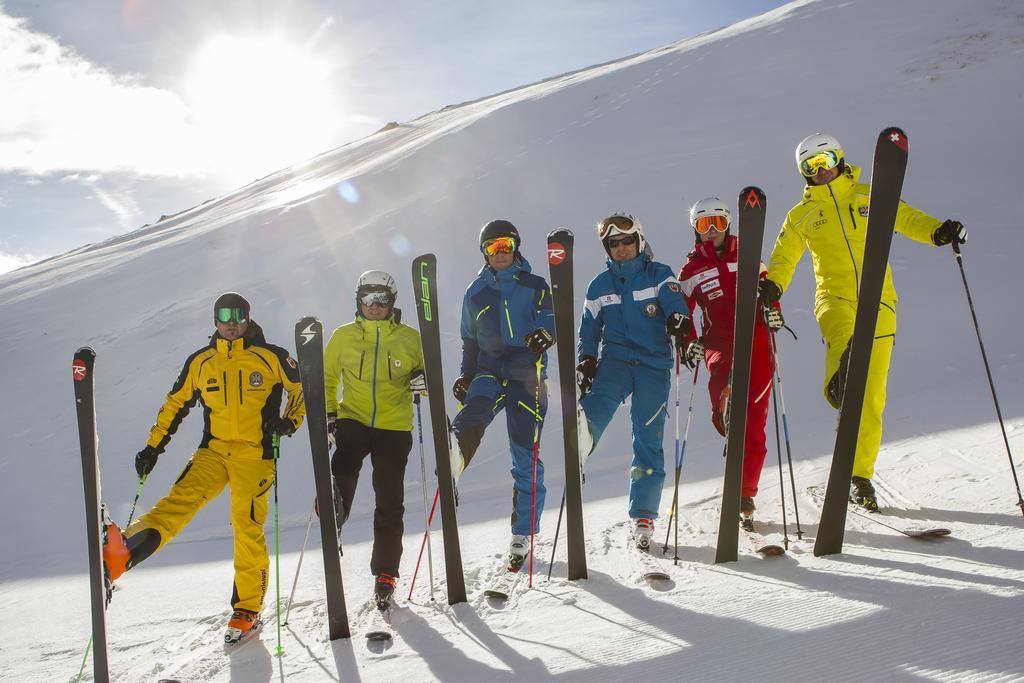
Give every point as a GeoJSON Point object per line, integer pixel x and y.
{"type": "Point", "coordinates": [706, 224]}
{"type": "Point", "coordinates": [499, 245]}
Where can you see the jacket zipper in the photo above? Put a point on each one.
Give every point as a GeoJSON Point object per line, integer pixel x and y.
{"type": "Point", "coordinates": [842, 226]}
{"type": "Point", "coordinates": [240, 401]}
{"type": "Point", "coordinates": [389, 366]}
{"type": "Point", "coordinates": [225, 375]}
{"type": "Point", "coordinates": [362, 355]}
{"type": "Point", "coordinates": [508, 318]}
{"type": "Point", "coordinates": [373, 390]}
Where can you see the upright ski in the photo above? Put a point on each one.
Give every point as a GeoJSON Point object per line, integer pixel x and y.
{"type": "Point", "coordinates": [309, 346]}
{"type": "Point", "coordinates": [560, 246]}
{"type": "Point", "coordinates": [82, 367]}
{"type": "Point", "coordinates": [752, 206]}
{"type": "Point", "coordinates": [890, 165]}
{"type": "Point", "coordinates": [424, 278]}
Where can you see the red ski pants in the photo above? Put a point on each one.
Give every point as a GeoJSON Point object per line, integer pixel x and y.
{"type": "Point", "coordinates": [719, 364]}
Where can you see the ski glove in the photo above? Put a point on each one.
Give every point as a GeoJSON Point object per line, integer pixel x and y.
{"type": "Point", "coordinates": [460, 388]}
{"type": "Point", "coordinates": [418, 382]}
{"type": "Point", "coordinates": [283, 426]}
{"type": "Point", "coordinates": [768, 292]}
{"type": "Point", "coordinates": [145, 461]}
{"type": "Point", "coordinates": [694, 353]}
{"type": "Point", "coordinates": [332, 429]}
{"type": "Point", "coordinates": [949, 231]}
{"type": "Point", "coordinates": [677, 325]}
{"type": "Point", "coordinates": [773, 318]}
{"type": "Point", "coordinates": [539, 341]}
{"type": "Point", "coordinates": [585, 372]}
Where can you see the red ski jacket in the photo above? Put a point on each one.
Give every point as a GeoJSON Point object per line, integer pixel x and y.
{"type": "Point", "coordinates": [709, 281]}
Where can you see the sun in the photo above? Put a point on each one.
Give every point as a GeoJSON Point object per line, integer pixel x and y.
{"type": "Point", "coordinates": [259, 103]}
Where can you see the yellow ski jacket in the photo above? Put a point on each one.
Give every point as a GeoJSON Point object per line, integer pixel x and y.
{"type": "Point", "coordinates": [832, 220]}
{"type": "Point", "coordinates": [371, 360]}
{"type": "Point", "coordinates": [239, 384]}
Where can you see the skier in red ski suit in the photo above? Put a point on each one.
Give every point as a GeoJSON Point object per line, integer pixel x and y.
{"type": "Point", "coordinates": [709, 281]}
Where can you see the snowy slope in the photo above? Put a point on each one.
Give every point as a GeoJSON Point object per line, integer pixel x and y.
{"type": "Point", "coordinates": [649, 134]}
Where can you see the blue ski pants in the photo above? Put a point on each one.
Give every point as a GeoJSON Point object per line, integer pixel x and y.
{"type": "Point", "coordinates": [615, 381]}
{"type": "Point", "coordinates": [488, 395]}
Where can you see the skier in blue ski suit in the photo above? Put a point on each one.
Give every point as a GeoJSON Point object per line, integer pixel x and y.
{"type": "Point", "coordinates": [632, 310]}
{"type": "Point", "coordinates": [507, 327]}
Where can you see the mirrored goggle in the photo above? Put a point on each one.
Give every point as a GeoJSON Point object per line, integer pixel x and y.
{"type": "Point", "coordinates": [705, 224]}
{"type": "Point", "coordinates": [379, 297]}
{"type": "Point", "coordinates": [500, 245]}
{"type": "Point", "coordinates": [231, 315]}
{"type": "Point", "coordinates": [621, 239]}
{"type": "Point", "coordinates": [822, 161]}
{"type": "Point", "coordinates": [620, 223]}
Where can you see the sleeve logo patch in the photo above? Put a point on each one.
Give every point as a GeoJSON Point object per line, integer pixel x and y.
{"type": "Point", "coordinates": [673, 287]}
{"type": "Point", "coordinates": [291, 361]}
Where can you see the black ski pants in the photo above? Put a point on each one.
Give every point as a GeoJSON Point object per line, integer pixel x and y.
{"type": "Point", "coordinates": [389, 453]}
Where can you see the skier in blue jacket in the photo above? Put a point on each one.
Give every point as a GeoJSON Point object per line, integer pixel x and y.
{"type": "Point", "coordinates": [633, 310]}
{"type": "Point", "coordinates": [507, 328]}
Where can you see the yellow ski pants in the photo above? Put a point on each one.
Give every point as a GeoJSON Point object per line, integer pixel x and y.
{"type": "Point", "coordinates": [249, 478]}
{"type": "Point", "coordinates": [835, 319]}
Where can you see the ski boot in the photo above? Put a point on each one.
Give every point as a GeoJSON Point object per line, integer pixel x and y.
{"type": "Point", "coordinates": [862, 492]}
{"type": "Point", "coordinates": [115, 553]}
{"type": "Point", "coordinates": [517, 549]}
{"type": "Point", "coordinates": [456, 459]}
{"type": "Point", "coordinates": [643, 530]}
{"type": "Point", "coordinates": [384, 590]}
{"type": "Point", "coordinates": [243, 625]}
{"type": "Point", "coordinates": [747, 508]}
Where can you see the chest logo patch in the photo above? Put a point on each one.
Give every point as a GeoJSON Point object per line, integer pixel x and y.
{"type": "Point", "coordinates": [651, 309]}
{"type": "Point", "coordinates": [608, 299]}
{"type": "Point", "coordinates": [709, 285]}
{"type": "Point", "coordinates": [398, 363]}
{"type": "Point", "coordinates": [863, 211]}
{"type": "Point", "coordinates": [715, 295]}
{"type": "Point", "coordinates": [256, 379]}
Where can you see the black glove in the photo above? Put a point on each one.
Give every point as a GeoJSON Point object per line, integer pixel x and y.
{"type": "Point", "coordinates": [949, 231]}
{"type": "Point", "coordinates": [678, 325]}
{"type": "Point", "coordinates": [284, 427]}
{"type": "Point", "coordinates": [418, 382]}
{"type": "Point", "coordinates": [539, 341]}
{"type": "Point", "coordinates": [332, 428]}
{"type": "Point", "coordinates": [585, 372]}
{"type": "Point", "coordinates": [145, 460]}
{"type": "Point", "coordinates": [768, 292]}
{"type": "Point", "coordinates": [773, 318]}
{"type": "Point", "coordinates": [460, 388]}
{"type": "Point", "coordinates": [694, 353]}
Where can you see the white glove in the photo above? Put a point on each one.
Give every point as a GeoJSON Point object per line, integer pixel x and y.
{"type": "Point", "coordinates": [418, 383]}
{"type": "Point", "coordinates": [773, 318]}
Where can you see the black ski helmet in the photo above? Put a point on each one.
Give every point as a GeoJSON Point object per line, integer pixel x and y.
{"type": "Point", "coordinates": [499, 228]}
{"type": "Point", "coordinates": [231, 300]}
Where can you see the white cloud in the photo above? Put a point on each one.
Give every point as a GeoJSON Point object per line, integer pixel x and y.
{"type": "Point", "coordinates": [11, 261]}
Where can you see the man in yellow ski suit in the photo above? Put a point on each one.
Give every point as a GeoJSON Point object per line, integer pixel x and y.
{"type": "Point", "coordinates": [831, 221]}
{"type": "Point", "coordinates": [238, 378]}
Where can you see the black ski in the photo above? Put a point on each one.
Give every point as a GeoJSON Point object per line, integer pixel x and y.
{"type": "Point", "coordinates": [560, 246]}
{"type": "Point", "coordinates": [926, 533]}
{"type": "Point", "coordinates": [890, 165]}
{"type": "Point", "coordinates": [309, 346]}
{"type": "Point", "coordinates": [424, 278]}
{"type": "Point", "coordinates": [751, 213]}
{"type": "Point", "coordinates": [82, 367]}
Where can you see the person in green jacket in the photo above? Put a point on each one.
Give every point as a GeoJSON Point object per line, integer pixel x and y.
{"type": "Point", "coordinates": [378, 363]}
{"type": "Point", "coordinates": [831, 220]}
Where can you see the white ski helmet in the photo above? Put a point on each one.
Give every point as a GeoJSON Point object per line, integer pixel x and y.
{"type": "Point", "coordinates": [709, 206]}
{"type": "Point", "coordinates": [376, 282]}
{"type": "Point", "coordinates": [819, 142]}
{"type": "Point", "coordinates": [621, 223]}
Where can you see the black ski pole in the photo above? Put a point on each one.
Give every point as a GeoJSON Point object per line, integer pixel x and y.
{"type": "Point", "coordinates": [558, 528]}
{"type": "Point", "coordinates": [988, 372]}
{"type": "Point", "coordinates": [777, 378]}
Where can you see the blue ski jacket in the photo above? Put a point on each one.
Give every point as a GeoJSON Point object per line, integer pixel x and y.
{"type": "Point", "coordinates": [498, 310]}
{"type": "Point", "coordinates": [626, 309]}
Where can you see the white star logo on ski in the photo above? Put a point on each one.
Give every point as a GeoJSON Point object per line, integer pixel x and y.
{"type": "Point", "coordinates": [894, 137]}
{"type": "Point", "coordinates": [308, 334]}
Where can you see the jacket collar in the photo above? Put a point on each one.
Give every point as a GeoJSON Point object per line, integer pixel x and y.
{"type": "Point", "coordinates": [707, 249]}
{"type": "Point", "coordinates": [510, 274]}
{"type": "Point", "coordinates": [253, 335]}
{"type": "Point", "coordinates": [841, 187]}
{"type": "Point", "coordinates": [628, 268]}
{"type": "Point", "coordinates": [385, 326]}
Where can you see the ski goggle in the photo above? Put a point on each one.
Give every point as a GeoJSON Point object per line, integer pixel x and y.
{"type": "Point", "coordinates": [620, 223]}
{"type": "Point", "coordinates": [231, 315]}
{"type": "Point", "coordinates": [822, 161]}
{"type": "Point", "coordinates": [379, 296]}
{"type": "Point", "coordinates": [705, 224]}
{"type": "Point", "coordinates": [621, 239]}
{"type": "Point", "coordinates": [499, 245]}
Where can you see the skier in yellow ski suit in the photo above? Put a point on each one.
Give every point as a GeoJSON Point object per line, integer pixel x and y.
{"type": "Point", "coordinates": [831, 221]}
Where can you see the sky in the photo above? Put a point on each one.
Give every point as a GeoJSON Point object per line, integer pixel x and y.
{"type": "Point", "coordinates": [115, 113]}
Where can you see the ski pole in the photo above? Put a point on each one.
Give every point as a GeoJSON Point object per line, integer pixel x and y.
{"type": "Point", "coordinates": [423, 478]}
{"type": "Point", "coordinates": [778, 451]}
{"type": "Point", "coordinates": [558, 529]}
{"type": "Point", "coordinates": [423, 543]}
{"type": "Point", "coordinates": [777, 377]}
{"type": "Point", "coordinates": [536, 453]}
{"type": "Point", "coordinates": [673, 511]}
{"type": "Point", "coordinates": [138, 492]}
{"type": "Point", "coordinates": [988, 372]}
{"type": "Point", "coordinates": [298, 567]}
{"type": "Point", "coordinates": [276, 440]}
{"type": "Point", "coordinates": [679, 461]}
